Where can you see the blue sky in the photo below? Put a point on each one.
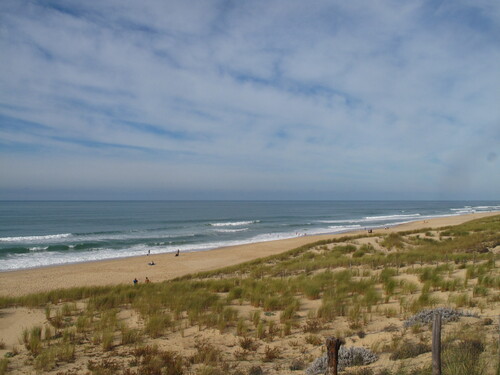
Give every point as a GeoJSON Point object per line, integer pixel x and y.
{"type": "Point", "coordinates": [117, 99]}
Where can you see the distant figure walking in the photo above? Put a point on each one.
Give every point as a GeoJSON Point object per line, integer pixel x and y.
{"type": "Point", "coordinates": [149, 252]}
{"type": "Point", "coordinates": [147, 281]}
{"type": "Point", "coordinates": [178, 252]}
{"type": "Point", "coordinates": [135, 281]}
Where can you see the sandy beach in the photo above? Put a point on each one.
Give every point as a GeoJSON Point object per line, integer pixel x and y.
{"type": "Point", "coordinates": [167, 266]}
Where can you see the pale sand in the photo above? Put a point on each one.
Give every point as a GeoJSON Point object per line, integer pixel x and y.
{"type": "Point", "coordinates": [120, 271]}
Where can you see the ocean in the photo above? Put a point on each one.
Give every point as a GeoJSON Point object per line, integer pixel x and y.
{"type": "Point", "coordinates": [43, 233]}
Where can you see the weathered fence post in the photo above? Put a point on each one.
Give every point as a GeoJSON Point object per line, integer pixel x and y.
{"type": "Point", "coordinates": [332, 349]}
{"type": "Point", "coordinates": [436, 345]}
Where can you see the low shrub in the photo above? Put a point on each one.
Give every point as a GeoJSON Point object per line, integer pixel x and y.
{"type": "Point", "coordinates": [462, 357]}
{"type": "Point", "coordinates": [314, 340]}
{"type": "Point", "coordinates": [270, 354]}
{"type": "Point", "coordinates": [297, 364]}
{"type": "Point", "coordinates": [206, 353]}
{"type": "Point", "coordinates": [247, 343]}
{"type": "Point", "coordinates": [409, 349]}
{"type": "Point", "coordinates": [157, 324]}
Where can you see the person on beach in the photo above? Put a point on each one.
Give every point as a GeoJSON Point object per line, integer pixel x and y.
{"type": "Point", "coordinates": [135, 281]}
{"type": "Point", "coordinates": [178, 252]}
{"type": "Point", "coordinates": [151, 263]}
{"type": "Point", "coordinates": [149, 252]}
{"type": "Point", "coordinates": [147, 281]}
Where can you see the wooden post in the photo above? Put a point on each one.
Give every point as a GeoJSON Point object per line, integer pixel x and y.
{"type": "Point", "coordinates": [332, 349]}
{"type": "Point", "coordinates": [436, 345]}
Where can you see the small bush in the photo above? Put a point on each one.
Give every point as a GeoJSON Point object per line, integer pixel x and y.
{"type": "Point", "coordinates": [106, 366]}
{"type": "Point", "coordinates": [312, 325]}
{"type": "Point", "coordinates": [270, 354]}
{"type": "Point", "coordinates": [255, 370]}
{"type": "Point", "coordinates": [153, 361]}
{"type": "Point", "coordinates": [206, 353]}
{"type": "Point", "coordinates": [157, 324]}
{"type": "Point", "coordinates": [248, 343]}
{"type": "Point", "coordinates": [409, 349]}
{"type": "Point", "coordinates": [462, 357]}
{"type": "Point", "coordinates": [393, 240]}
{"type": "Point", "coordinates": [314, 340]}
{"type": "Point", "coordinates": [297, 364]}
{"type": "Point", "coordinates": [358, 253]}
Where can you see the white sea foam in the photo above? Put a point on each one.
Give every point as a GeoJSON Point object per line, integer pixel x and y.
{"type": "Point", "coordinates": [368, 219]}
{"type": "Point", "coordinates": [35, 238]}
{"type": "Point", "coordinates": [472, 209]}
{"type": "Point", "coordinates": [38, 248]}
{"type": "Point", "coordinates": [231, 230]}
{"type": "Point", "coordinates": [344, 227]}
{"type": "Point", "coordinates": [391, 217]}
{"type": "Point", "coordinates": [234, 223]}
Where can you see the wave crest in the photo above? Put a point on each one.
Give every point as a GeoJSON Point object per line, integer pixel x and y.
{"type": "Point", "coordinates": [234, 223]}
{"type": "Point", "coordinates": [35, 238]}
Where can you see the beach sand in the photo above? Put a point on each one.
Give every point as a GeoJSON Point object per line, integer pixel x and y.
{"type": "Point", "coordinates": [168, 266]}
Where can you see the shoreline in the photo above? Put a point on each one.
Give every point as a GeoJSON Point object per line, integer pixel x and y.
{"type": "Point", "coordinates": [167, 266]}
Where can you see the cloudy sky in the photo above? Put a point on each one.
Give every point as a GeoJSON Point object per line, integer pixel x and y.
{"type": "Point", "coordinates": [208, 99]}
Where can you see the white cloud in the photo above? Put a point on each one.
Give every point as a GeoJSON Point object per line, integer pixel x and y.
{"type": "Point", "coordinates": [261, 95]}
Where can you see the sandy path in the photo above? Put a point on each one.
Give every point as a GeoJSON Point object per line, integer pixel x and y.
{"type": "Point", "coordinates": [112, 272]}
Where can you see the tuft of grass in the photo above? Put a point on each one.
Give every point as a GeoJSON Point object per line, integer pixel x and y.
{"type": "Point", "coordinates": [32, 340]}
{"type": "Point", "coordinates": [46, 361]}
{"type": "Point", "coordinates": [314, 340]}
{"type": "Point", "coordinates": [241, 327]}
{"type": "Point", "coordinates": [261, 330]}
{"type": "Point", "coordinates": [463, 358]}
{"type": "Point", "coordinates": [270, 354]}
{"type": "Point", "coordinates": [105, 366]}
{"type": "Point", "coordinates": [312, 325]}
{"type": "Point", "coordinates": [57, 320]}
{"type": "Point", "coordinates": [4, 366]}
{"type": "Point", "coordinates": [206, 353]}
{"type": "Point", "coordinates": [107, 340]}
{"type": "Point", "coordinates": [409, 349]}
{"type": "Point", "coordinates": [393, 240]}
{"type": "Point", "coordinates": [157, 325]}
{"type": "Point", "coordinates": [248, 344]}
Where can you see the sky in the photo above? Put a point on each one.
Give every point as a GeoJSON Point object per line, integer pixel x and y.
{"type": "Point", "coordinates": [163, 99]}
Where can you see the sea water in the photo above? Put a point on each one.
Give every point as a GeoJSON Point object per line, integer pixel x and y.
{"type": "Point", "coordinates": [43, 233]}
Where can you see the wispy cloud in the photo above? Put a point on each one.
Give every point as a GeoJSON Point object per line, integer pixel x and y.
{"type": "Point", "coordinates": [325, 99]}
